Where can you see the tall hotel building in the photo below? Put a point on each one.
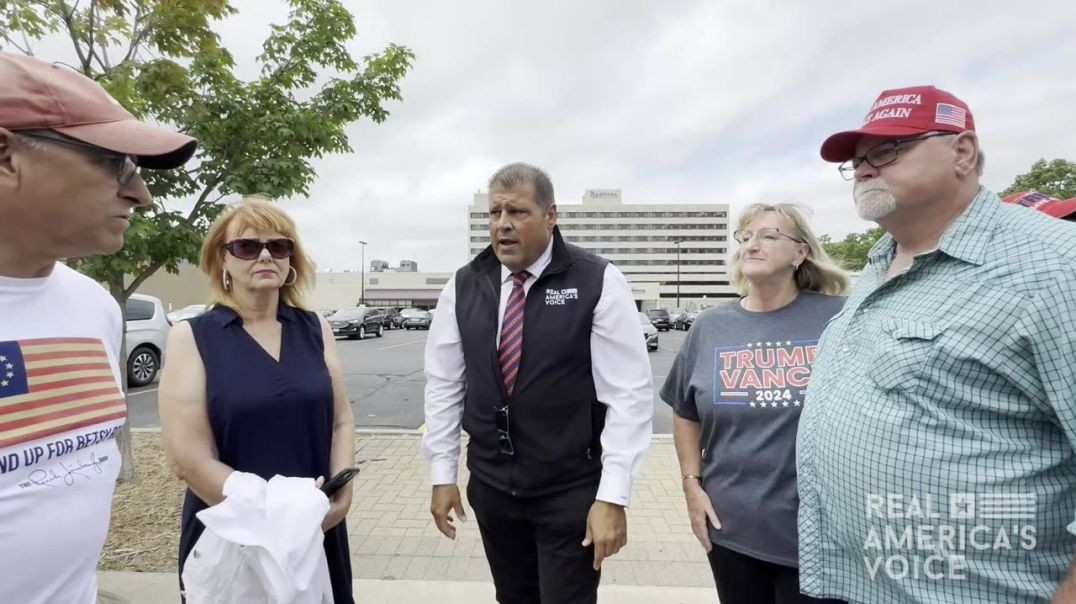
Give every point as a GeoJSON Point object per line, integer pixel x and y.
{"type": "Point", "coordinates": [673, 255]}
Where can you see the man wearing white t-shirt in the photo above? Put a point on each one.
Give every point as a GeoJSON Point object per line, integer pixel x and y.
{"type": "Point", "coordinates": [69, 160]}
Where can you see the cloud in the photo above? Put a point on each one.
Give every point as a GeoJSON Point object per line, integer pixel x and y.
{"type": "Point", "coordinates": [705, 102]}
{"type": "Point", "coordinates": [692, 101]}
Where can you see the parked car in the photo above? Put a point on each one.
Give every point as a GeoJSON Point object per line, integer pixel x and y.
{"type": "Point", "coordinates": [660, 318]}
{"type": "Point", "coordinates": [650, 333]}
{"type": "Point", "coordinates": [187, 312]}
{"type": "Point", "coordinates": [676, 314]}
{"type": "Point", "coordinates": [389, 318]}
{"type": "Point", "coordinates": [357, 322]}
{"type": "Point", "coordinates": [147, 333]}
{"type": "Point", "coordinates": [684, 322]}
{"type": "Point", "coordinates": [415, 318]}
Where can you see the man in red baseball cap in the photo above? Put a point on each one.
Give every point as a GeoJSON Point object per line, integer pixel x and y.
{"type": "Point", "coordinates": [69, 180]}
{"type": "Point", "coordinates": [940, 409]}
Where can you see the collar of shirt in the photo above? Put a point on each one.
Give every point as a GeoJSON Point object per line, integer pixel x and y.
{"type": "Point", "coordinates": [535, 269]}
{"type": "Point", "coordinates": [227, 315]}
{"type": "Point", "coordinates": [967, 238]}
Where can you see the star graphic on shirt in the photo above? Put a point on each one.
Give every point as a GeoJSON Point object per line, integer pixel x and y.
{"type": "Point", "coordinates": [758, 343]}
{"type": "Point", "coordinates": [3, 383]}
{"type": "Point", "coordinates": [10, 374]}
{"type": "Point", "coordinates": [749, 344]}
{"type": "Point", "coordinates": [784, 403]}
{"type": "Point", "coordinates": [752, 403]}
{"type": "Point", "coordinates": [788, 343]}
{"type": "Point", "coordinates": [9, 366]}
{"type": "Point", "coordinates": [769, 343]}
{"type": "Point", "coordinates": [796, 403]}
{"type": "Point", "coordinates": [2, 358]}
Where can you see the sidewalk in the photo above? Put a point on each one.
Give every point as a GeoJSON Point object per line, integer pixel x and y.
{"type": "Point", "coordinates": [397, 554]}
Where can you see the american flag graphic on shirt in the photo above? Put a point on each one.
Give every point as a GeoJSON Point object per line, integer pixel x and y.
{"type": "Point", "coordinates": [53, 385]}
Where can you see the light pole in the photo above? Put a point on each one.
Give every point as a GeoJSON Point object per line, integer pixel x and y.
{"type": "Point", "coordinates": [677, 242]}
{"type": "Point", "coordinates": [362, 282]}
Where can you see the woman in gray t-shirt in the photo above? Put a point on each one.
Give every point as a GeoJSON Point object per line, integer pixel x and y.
{"type": "Point", "coordinates": [736, 389]}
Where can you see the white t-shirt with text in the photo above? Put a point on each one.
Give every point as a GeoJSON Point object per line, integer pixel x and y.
{"type": "Point", "coordinates": [61, 406]}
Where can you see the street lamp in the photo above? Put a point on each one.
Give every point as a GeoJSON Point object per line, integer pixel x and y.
{"type": "Point", "coordinates": [362, 282]}
{"type": "Point", "coordinates": [677, 242]}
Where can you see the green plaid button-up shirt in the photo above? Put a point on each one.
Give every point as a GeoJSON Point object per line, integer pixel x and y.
{"type": "Point", "coordinates": [936, 446]}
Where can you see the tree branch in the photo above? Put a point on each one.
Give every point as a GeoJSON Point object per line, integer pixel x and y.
{"type": "Point", "coordinates": [90, 41]}
{"type": "Point", "coordinates": [141, 278]}
{"type": "Point", "coordinates": [153, 268]}
{"type": "Point", "coordinates": [26, 40]}
{"type": "Point", "coordinates": [139, 35]}
{"type": "Point", "coordinates": [69, 21]}
{"type": "Point", "coordinates": [106, 64]}
{"type": "Point", "coordinates": [24, 50]}
{"type": "Point", "coordinates": [212, 186]}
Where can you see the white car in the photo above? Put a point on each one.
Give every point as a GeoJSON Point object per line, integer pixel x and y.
{"type": "Point", "coordinates": [147, 333]}
{"type": "Point", "coordinates": [187, 312]}
{"type": "Point", "coordinates": [650, 333]}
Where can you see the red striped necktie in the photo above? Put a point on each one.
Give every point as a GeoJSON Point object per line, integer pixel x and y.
{"type": "Point", "coordinates": [511, 348]}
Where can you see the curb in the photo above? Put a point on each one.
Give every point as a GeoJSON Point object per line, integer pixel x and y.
{"type": "Point", "coordinates": [107, 597]}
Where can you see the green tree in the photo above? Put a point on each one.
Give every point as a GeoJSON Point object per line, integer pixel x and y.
{"type": "Point", "coordinates": [1056, 178]}
{"type": "Point", "coordinates": [851, 252]}
{"type": "Point", "coordinates": [162, 60]}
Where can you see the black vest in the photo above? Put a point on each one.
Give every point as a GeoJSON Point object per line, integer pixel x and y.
{"type": "Point", "coordinates": [555, 419]}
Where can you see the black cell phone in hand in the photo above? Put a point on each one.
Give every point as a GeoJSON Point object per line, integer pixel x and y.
{"type": "Point", "coordinates": [337, 482]}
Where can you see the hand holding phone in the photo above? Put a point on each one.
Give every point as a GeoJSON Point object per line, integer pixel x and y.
{"type": "Point", "coordinates": [337, 482]}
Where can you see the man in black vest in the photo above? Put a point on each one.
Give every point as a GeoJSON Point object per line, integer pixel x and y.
{"type": "Point", "coordinates": [536, 348]}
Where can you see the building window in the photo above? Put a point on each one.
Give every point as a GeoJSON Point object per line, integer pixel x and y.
{"type": "Point", "coordinates": [436, 280]}
{"type": "Point", "coordinates": [375, 280]}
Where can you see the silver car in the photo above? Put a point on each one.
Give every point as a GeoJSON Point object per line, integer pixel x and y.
{"type": "Point", "coordinates": [415, 318]}
{"type": "Point", "coordinates": [147, 333]}
{"type": "Point", "coordinates": [187, 312]}
{"type": "Point", "coordinates": [650, 333]}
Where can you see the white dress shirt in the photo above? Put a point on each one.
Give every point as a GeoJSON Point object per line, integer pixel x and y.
{"type": "Point", "coordinates": [620, 366]}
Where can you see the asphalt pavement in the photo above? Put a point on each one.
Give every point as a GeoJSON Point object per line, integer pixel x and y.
{"type": "Point", "coordinates": [385, 381]}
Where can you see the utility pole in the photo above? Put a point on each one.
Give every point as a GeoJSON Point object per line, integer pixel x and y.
{"type": "Point", "coordinates": [677, 242]}
{"type": "Point", "coordinates": [362, 283]}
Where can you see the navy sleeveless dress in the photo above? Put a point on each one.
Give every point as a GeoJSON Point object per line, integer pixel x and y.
{"type": "Point", "coordinates": [269, 417]}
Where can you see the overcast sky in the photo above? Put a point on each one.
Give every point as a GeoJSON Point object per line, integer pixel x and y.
{"type": "Point", "coordinates": [672, 102]}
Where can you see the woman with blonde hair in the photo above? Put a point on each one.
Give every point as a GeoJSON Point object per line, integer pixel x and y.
{"type": "Point", "coordinates": [254, 385]}
{"type": "Point", "coordinates": [736, 389]}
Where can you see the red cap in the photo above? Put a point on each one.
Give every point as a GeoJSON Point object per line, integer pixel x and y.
{"type": "Point", "coordinates": [1044, 203]}
{"type": "Point", "coordinates": [900, 113]}
{"type": "Point", "coordinates": [40, 96]}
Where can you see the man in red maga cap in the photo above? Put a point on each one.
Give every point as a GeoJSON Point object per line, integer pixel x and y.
{"type": "Point", "coordinates": [69, 179]}
{"type": "Point", "coordinates": [935, 451]}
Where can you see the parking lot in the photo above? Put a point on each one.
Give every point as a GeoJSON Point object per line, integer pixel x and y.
{"type": "Point", "coordinates": [385, 381]}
